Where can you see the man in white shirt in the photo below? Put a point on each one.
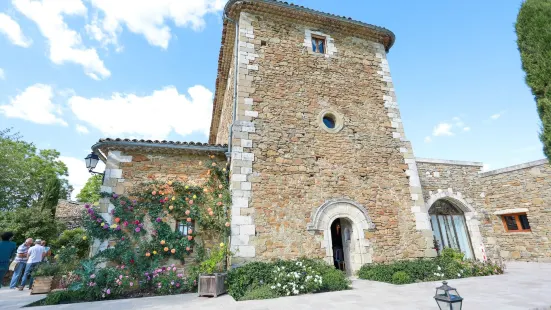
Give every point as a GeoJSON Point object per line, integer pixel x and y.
{"type": "Point", "coordinates": [35, 256]}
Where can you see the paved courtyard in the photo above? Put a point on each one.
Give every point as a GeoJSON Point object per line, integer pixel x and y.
{"type": "Point", "coordinates": [523, 286]}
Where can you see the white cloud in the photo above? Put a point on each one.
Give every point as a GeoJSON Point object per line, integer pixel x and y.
{"type": "Point", "coordinates": [442, 129]}
{"type": "Point", "coordinates": [34, 104]}
{"type": "Point", "coordinates": [78, 174]}
{"type": "Point", "coordinates": [148, 18]}
{"type": "Point", "coordinates": [11, 29]}
{"type": "Point", "coordinates": [428, 139]}
{"type": "Point", "coordinates": [153, 116]}
{"type": "Point", "coordinates": [82, 129]}
{"type": "Point", "coordinates": [2, 74]}
{"type": "Point", "coordinates": [65, 44]}
{"type": "Point", "coordinates": [466, 128]}
{"type": "Point", "coordinates": [497, 115]}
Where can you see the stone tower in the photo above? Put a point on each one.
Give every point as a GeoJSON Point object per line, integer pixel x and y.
{"type": "Point", "coordinates": [320, 165]}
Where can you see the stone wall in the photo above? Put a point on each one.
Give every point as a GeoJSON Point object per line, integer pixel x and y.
{"type": "Point", "coordinates": [127, 169]}
{"type": "Point", "coordinates": [459, 183]}
{"type": "Point", "coordinates": [227, 110]}
{"type": "Point", "coordinates": [526, 188]}
{"type": "Point", "coordinates": [70, 213]}
{"type": "Point", "coordinates": [297, 165]}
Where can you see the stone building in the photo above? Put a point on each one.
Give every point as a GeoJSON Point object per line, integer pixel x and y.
{"type": "Point", "coordinates": [70, 213]}
{"type": "Point", "coordinates": [319, 161]}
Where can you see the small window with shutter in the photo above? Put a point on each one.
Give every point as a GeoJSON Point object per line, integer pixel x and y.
{"type": "Point", "coordinates": [517, 222]}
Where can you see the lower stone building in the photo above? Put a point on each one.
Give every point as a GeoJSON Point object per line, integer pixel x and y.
{"type": "Point", "coordinates": [506, 212]}
{"type": "Point", "coordinates": [70, 213]}
{"type": "Point", "coordinates": [320, 165]}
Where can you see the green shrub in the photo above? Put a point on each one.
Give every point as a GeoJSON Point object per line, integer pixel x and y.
{"type": "Point", "coordinates": [284, 278]}
{"type": "Point", "coordinates": [400, 277]}
{"type": "Point", "coordinates": [449, 265]}
{"type": "Point", "coordinates": [262, 292]}
{"type": "Point", "coordinates": [73, 238]}
{"type": "Point", "coordinates": [248, 277]}
{"type": "Point", "coordinates": [64, 297]}
{"type": "Point", "coordinates": [47, 269]}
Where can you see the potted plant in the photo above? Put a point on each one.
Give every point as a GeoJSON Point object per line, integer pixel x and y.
{"type": "Point", "coordinates": [43, 277]}
{"type": "Point", "coordinates": [212, 273]}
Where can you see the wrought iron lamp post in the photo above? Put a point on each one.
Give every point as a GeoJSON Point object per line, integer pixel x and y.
{"type": "Point", "coordinates": [448, 298]}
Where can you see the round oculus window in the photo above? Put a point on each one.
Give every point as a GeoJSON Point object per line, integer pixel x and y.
{"type": "Point", "coordinates": [330, 121]}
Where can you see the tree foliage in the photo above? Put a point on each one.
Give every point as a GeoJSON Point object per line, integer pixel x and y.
{"type": "Point", "coordinates": [533, 28]}
{"type": "Point", "coordinates": [91, 191]}
{"type": "Point", "coordinates": [30, 223]}
{"type": "Point", "coordinates": [26, 172]}
{"type": "Point", "coordinates": [51, 196]}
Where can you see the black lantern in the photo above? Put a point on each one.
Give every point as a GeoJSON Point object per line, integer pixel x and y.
{"type": "Point", "coordinates": [448, 298]}
{"type": "Point", "coordinates": [91, 162]}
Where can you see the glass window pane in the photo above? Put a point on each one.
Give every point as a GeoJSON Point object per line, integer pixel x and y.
{"type": "Point", "coordinates": [443, 305]}
{"type": "Point", "coordinates": [456, 306]}
{"type": "Point", "coordinates": [524, 221]}
{"type": "Point", "coordinates": [462, 235]}
{"type": "Point", "coordinates": [321, 45]}
{"type": "Point", "coordinates": [451, 232]}
{"type": "Point", "coordinates": [444, 231]}
{"type": "Point", "coordinates": [314, 45]}
{"type": "Point", "coordinates": [436, 232]}
{"type": "Point", "coordinates": [511, 222]}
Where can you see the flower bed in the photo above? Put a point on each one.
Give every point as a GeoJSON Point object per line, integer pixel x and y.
{"type": "Point", "coordinates": [449, 265]}
{"type": "Point", "coordinates": [259, 280]}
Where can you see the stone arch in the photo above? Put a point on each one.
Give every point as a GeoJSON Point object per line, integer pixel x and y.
{"type": "Point", "coordinates": [356, 215]}
{"type": "Point", "coordinates": [470, 213]}
{"type": "Point", "coordinates": [340, 207]}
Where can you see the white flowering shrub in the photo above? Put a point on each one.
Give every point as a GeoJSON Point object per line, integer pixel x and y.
{"type": "Point", "coordinates": [295, 278]}
{"type": "Point", "coordinates": [263, 280]}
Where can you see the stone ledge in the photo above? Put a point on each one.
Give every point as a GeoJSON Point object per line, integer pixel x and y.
{"type": "Point", "coordinates": [511, 211]}
{"type": "Point", "coordinates": [531, 164]}
{"type": "Point", "coordinates": [449, 162]}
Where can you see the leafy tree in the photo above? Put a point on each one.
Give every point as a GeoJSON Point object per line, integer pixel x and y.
{"type": "Point", "coordinates": [91, 190]}
{"type": "Point", "coordinates": [26, 172]}
{"type": "Point", "coordinates": [51, 196]}
{"type": "Point", "coordinates": [533, 28]}
{"type": "Point", "coordinates": [31, 223]}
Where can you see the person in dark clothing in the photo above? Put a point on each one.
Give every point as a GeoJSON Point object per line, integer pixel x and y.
{"type": "Point", "coordinates": [7, 253]}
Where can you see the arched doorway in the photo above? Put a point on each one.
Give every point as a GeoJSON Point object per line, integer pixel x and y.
{"type": "Point", "coordinates": [449, 227]}
{"type": "Point", "coordinates": [341, 242]}
{"type": "Point", "coordinates": [353, 222]}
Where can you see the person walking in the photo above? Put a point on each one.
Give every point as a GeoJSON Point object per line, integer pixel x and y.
{"type": "Point", "coordinates": [7, 252]}
{"type": "Point", "coordinates": [35, 256]}
{"type": "Point", "coordinates": [21, 262]}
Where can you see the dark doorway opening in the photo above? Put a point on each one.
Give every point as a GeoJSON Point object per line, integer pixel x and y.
{"type": "Point", "coordinates": [336, 240]}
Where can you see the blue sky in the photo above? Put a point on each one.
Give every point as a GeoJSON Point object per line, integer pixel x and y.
{"type": "Point", "coordinates": [73, 71]}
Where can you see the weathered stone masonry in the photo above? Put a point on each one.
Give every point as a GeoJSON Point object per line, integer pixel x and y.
{"type": "Point", "coordinates": [484, 196]}
{"type": "Point", "coordinates": [295, 167]}
{"type": "Point", "coordinates": [292, 175]}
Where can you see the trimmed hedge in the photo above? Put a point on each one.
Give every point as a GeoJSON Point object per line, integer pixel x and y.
{"type": "Point", "coordinates": [449, 265]}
